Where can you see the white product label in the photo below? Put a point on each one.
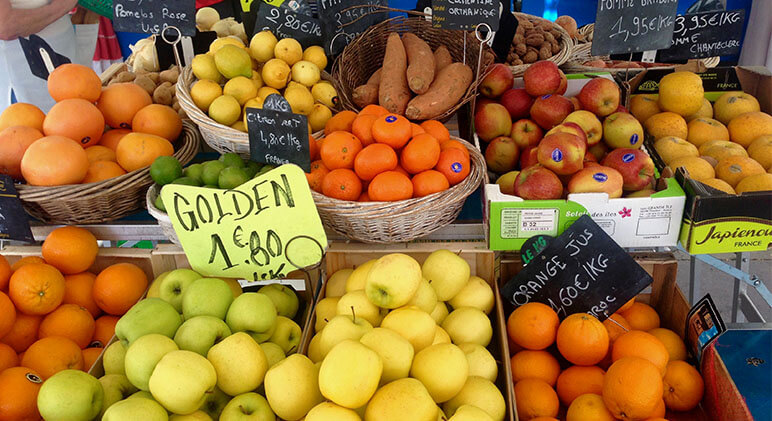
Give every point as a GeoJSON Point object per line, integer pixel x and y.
{"type": "Point", "coordinates": [525, 223]}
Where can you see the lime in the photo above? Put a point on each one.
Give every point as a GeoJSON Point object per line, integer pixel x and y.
{"type": "Point", "coordinates": [186, 181]}
{"type": "Point", "coordinates": [209, 186]}
{"type": "Point", "coordinates": [165, 169]}
{"type": "Point", "coordinates": [160, 203]}
{"type": "Point", "coordinates": [232, 177]}
{"type": "Point", "coordinates": [231, 159]}
{"type": "Point", "coordinates": [194, 171]}
{"type": "Point", "coordinates": [252, 168]}
{"type": "Point", "coordinates": [212, 172]}
{"type": "Point", "coordinates": [264, 170]}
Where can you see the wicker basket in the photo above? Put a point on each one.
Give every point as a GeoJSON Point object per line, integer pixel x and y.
{"type": "Point", "coordinates": [162, 217]}
{"type": "Point", "coordinates": [405, 220]}
{"type": "Point", "coordinates": [583, 53]}
{"type": "Point", "coordinates": [586, 32]}
{"type": "Point", "coordinates": [102, 201]}
{"type": "Point", "coordinates": [566, 43]}
{"type": "Point", "coordinates": [364, 56]}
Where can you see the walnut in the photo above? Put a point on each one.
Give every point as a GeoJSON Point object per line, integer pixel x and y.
{"type": "Point", "coordinates": [534, 40]}
{"type": "Point", "coordinates": [526, 24]}
{"type": "Point", "coordinates": [549, 37]}
{"type": "Point", "coordinates": [518, 39]}
{"type": "Point", "coordinates": [555, 33]}
{"type": "Point", "coordinates": [531, 57]}
{"type": "Point", "coordinates": [520, 49]}
{"type": "Point", "coordinates": [555, 47]}
{"type": "Point", "coordinates": [545, 52]}
{"type": "Point", "coordinates": [520, 30]}
{"type": "Point", "coordinates": [516, 62]}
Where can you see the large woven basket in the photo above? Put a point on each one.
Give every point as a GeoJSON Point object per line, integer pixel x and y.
{"type": "Point", "coordinates": [364, 56]}
{"type": "Point", "coordinates": [102, 201]}
{"type": "Point", "coordinates": [164, 222]}
{"type": "Point", "coordinates": [566, 43]}
{"type": "Point", "coordinates": [405, 220]}
{"type": "Point", "coordinates": [583, 53]}
{"type": "Point", "coordinates": [586, 31]}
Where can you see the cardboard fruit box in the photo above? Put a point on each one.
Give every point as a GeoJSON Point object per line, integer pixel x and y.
{"type": "Point", "coordinates": [482, 264]}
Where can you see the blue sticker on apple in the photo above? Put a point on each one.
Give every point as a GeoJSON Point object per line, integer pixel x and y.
{"type": "Point", "coordinates": [546, 96]}
{"type": "Point", "coordinates": [600, 177]}
{"type": "Point", "coordinates": [628, 157]}
{"type": "Point", "coordinates": [634, 139]}
{"type": "Point", "coordinates": [557, 155]}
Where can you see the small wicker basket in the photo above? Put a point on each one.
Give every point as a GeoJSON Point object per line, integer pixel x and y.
{"type": "Point", "coordinates": [364, 56]}
{"type": "Point", "coordinates": [583, 53]}
{"type": "Point", "coordinates": [102, 201]}
{"type": "Point", "coordinates": [566, 42]}
{"type": "Point", "coordinates": [586, 32]}
{"type": "Point", "coordinates": [405, 220]}
{"type": "Point", "coordinates": [162, 217]}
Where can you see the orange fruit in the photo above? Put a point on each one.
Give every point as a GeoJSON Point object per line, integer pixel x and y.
{"type": "Point", "coordinates": [659, 413]}
{"type": "Point", "coordinates": [533, 326]}
{"type": "Point", "coordinates": [111, 138]}
{"type": "Point", "coordinates": [99, 153]}
{"type": "Point", "coordinates": [393, 130]}
{"type": "Point", "coordinates": [454, 165]}
{"type": "Point", "coordinates": [14, 141]}
{"type": "Point", "coordinates": [362, 128]}
{"type": "Point", "coordinates": [39, 169]}
{"type": "Point", "coordinates": [540, 365]}
{"type": "Point", "coordinates": [636, 343]}
{"type": "Point", "coordinates": [340, 122]}
{"type": "Point", "coordinates": [417, 129]}
{"type": "Point", "coordinates": [339, 150]}
{"type": "Point", "coordinates": [118, 287]}
{"type": "Point", "coordinates": [19, 388]}
{"type": "Point", "coordinates": [23, 333]}
{"type": "Point", "coordinates": [373, 160]}
{"type": "Point", "coordinates": [374, 109]}
{"type": "Point", "coordinates": [8, 357]}
{"type": "Point", "coordinates": [313, 147]}
{"type": "Point", "coordinates": [578, 380]}
{"type": "Point", "coordinates": [76, 119]}
{"type": "Point", "coordinates": [316, 176]}
{"type": "Point", "coordinates": [36, 288]}
{"type": "Point", "coordinates": [26, 260]}
{"type": "Point", "coordinates": [544, 419]}
{"type": "Point", "coordinates": [632, 388]}
{"type": "Point", "coordinates": [402, 171]}
{"type": "Point", "coordinates": [683, 386]}
{"type": "Point", "coordinates": [641, 316]}
{"type": "Point", "coordinates": [745, 128]}
{"type": "Point", "coordinates": [390, 186]}
{"type": "Point", "coordinates": [72, 80]}
{"type": "Point", "coordinates": [5, 272]}
{"type": "Point", "coordinates": [90, 356]}
{"type": "Point", "coordinates": [734, 169]}
{"type": "Point", "coordinates": [70, 321]}
{"type": "Point", "coordinates": [420, 154]}
{"type": "Point", "coordinates": [676, 349]}
{"type": "Point", "coordinates": [666, 124]}
{"type": "Point", "coordinates": [51, 355]}
{"type": "Point", "coordinates": [22, 114]}
{"type": "Point", "coordinates": [588, 407]}
{"type": "Point", "coordinates": [160, 120]}
{"type": "Point", "coordinates": [617, 329]}
{"type": "Point", "coordinates": [139, 150]}
{"type": "Point", "coordinates": [535, 398]}
{"type": "Point", "coordinates": [429, 182]}
{"type": "Point", "coordinates": [104, 330]}
{"type": "Point", "coordinates": [120, 102]}
{"type": "Point", "coordinates": [102, 170]}
{"type": "Point", "coordinates": [454, 144]}
{"type": "Point", "coordinates": [342, 184]}
{"type": "Point", "coordinates": [70, 249]}
{"type": "Point", "coordinates": [582, 339]}
{"type": "Point", "coordinates": [626, 305]}
{"type": "Point", "coordinates": [436, 129]}
{"type": "Point", "coordinates": [7, 314]}
{"type": "Point", "coordinates": [77, 290]}
{"type": "Point", "coordinates": [363, 197]}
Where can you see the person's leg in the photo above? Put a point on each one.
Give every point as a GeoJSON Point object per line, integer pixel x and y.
{"type": "Point", "coordinates": [5, 80]}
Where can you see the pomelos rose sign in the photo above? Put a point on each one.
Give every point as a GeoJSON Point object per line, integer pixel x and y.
{"type": "Point", "coordinates": [261, 230]}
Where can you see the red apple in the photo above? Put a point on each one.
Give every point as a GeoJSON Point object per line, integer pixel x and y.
{"type": "Point", "coordinates": [550, 110]}
{"type": "Point", "coordinates": [577, 105]}
{"type": "Point", "coordinates": [598, 179]}
{"type": "Point", "coordinates": [563, 83]}
{"type": "Point", "coordinates": [501, 155]}
{"type": "Point", "coordinates": [569, 127]}
{"type": "Point", "coordinates": [498, 80]}
{"type": "Point", "coordinates": [621, 109]}
{"type": "Point", "coordinates": [526, 133]}
{"type": "Point", "coordinates": [481, 101]}
{"type": "Point", "coordinates": [598, 150]}
{"type": "Point", "coordinates": [492, 121]}
{"type": "Point", "coordinates": [600, 96]}
{"type": "Point", "coordinates": [517, 102]}
{"type": "Point", "coordinates": [542, 78]}
{"type": "Point", "coordinates": [642, 193]}
{"type": "Point", "coordinates": [592, 127]}
{"type": "Point", "coordinates": [538, 183]}
{"type": "Point", "coordinates": [622, 130]}
{"type": "Point", "coordinates": [529, 157]}
{"type": "Point", "coordinates": [562, 153]}
{"type": "Point", "coordinates": [506, 182]}
{"type": "Point", "coordinates": [589, 157]}
{"type": "Point", "coordinates": [635, 165]}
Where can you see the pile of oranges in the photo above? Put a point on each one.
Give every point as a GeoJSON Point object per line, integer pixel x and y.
{"type": "Point", "coordinates": [382, 157]}
{"type": "Point", "coordinates": [69, 145]}
{"type": "Point", "coordinates": [627, 368]}
{"type": "Point", "coordinates": [55, 315]}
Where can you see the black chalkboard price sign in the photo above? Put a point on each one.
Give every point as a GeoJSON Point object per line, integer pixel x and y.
{"type": "Point", "coordinates": [342, 21]}
{"type": "Point", "coordinates": [14, 222]}
{"type": "Point", "coordinates": [707, 34]}
{"type": "Point", "coordinates": [627, 26]}
{"type": "Point", "coordinates": [285, 23]}
{"type": "Point", "coordinates": [153, 16]}
{"type": "Point", "coordinates": [278, 136]}
{"type": "Point", "coordinates": [465, 15]}
{"type": "Point", "coordinates": [581, 271]}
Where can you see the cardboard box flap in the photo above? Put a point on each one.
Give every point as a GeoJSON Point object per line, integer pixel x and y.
{"type": "Point", "coordinates": [756, 81]}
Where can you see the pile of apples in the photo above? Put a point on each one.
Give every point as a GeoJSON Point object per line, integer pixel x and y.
{"type": "Point", "coordinates": [196, 346]}
{"type": "Point", "coordinates": [546, 145]}
{"type": "Point", "coordinates": [388, 348]}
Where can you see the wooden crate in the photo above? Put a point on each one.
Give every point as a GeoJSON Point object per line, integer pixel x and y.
{"type": "Point", "coordinates": [482, 264]}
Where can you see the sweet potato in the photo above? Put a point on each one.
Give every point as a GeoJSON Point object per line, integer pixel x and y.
{"type": "Point", "coordinates": [448, 88]}
{"type": "Point", "coordinates": [367, 94]}
{"type": "Point", "coordinates": [442, 59]}
{"type": "Point", "coordinates": [420, 63]}
{"type": "Point", "coordinates": [393, 92]}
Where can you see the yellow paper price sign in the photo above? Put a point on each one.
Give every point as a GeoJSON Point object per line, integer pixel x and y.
{"type": "Point", "coordinates": [261, 230]}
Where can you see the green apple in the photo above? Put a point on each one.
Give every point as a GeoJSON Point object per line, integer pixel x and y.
{"type": "Point", "coordinates": [137, 409]}
{"type": "Point", "coordinates": [440, 312]}
{"type": "Point", "coordinates": [214, 403]}
{"type": "Point", "coordinates": [336, 283]}
{"type": "Point", "coordinates": [395, 352]}
{"type": "Point", "coordinates": [273, 353]}
{"type": "Point", "coordinates": [356, 303]}
{"type": "Point", "coordinates": [200, 333]}
{"type": "Point", "coordinates": [350, 374]}
{"type": "Point", "coordinates": [143, 355]}
{"type": "Point", "coordinates": [154, 291]}
{"type": "Point", "coordinates": [253, 313]}
{"type": "Point", "coordinates": [446, 272]}
{"type": "Point", "coordinates": [481, 393]}
{"type": "Point", "coordinates": [70, 395]}
{"type": "Point", "coordinates": [151, 315]}
{"type": "Point", "coordinates": [325, 310]}
{"type": "Point", "coordinates": [470, 413]}
{"type": "Point", "coordinates": [174, 285]}
{"type": "Point", "coordinates": [443, 370]}
{"type": "Point", "coordinates": [116, 387]}
{"type": "Point", "coordinates": [393, 280]}
{"type": "Point", "coordinates": [341, 328]}
{"type": "Point", "coordinates": [283, 297]}
{"type": "Point", "coordinates": [247, 407]}
{"type": "Point", "coordinates": [292, 387]}
{"type": "Point", "coordinates": [196, 416]}
{"type": "Point", "coordinates": [207, 297]}
{"type": "Point", "coordinates": [441, 337]}
{"type": "Point", "coordinates": [287, 335]}
{"type": "Point", "coordinates": [425, 298]}
{"type": "Point", "coordinates": [481, 362]}
{"type": "Point", "coordinates": [142, 394]}
{"type": "Point", "coordinates": [358, 277]}
{"type": "Point", "coordinates": [240, 364]}
{"type": "Point", "coordinates": [328, 411]}
{"type": "Point", "coordinates": [402, 399]}
{"type": "Point", "coordinates": [476, 293]}
{"type": "Point", "coordinates": [182, 380]}
{"type": "Point", "coordinates": [413, 324]}
{"type": "Point", "coordinates": [113, 358]}
{"type": "Point", "coordinates": [468, 325]}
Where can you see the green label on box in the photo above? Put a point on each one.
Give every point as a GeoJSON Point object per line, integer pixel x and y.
{"type": "Point", "coordinates": [727, 236]}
